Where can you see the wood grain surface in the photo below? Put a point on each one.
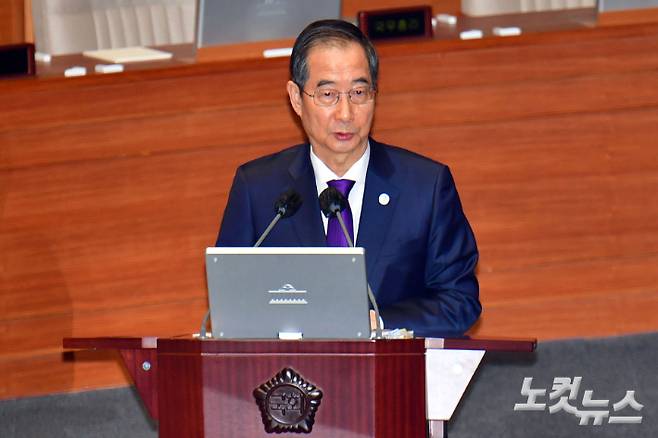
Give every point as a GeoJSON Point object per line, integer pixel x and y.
{"type": "Point", "coordinates": [220, 378]}
{"type": "Point", "coordinates": [112, 186]}
{"type": "Point", "coordinates": [12, 22]}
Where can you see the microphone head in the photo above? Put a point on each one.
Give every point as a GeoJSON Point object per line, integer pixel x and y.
{"type": "Point", "coordinates": [288, 203]}
{"type": "Point", "coordinates": [332, 201]}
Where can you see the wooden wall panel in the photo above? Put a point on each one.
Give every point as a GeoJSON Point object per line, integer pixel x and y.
{"type": "Point", "coordinates": [574, 316]}
{"type": "Point", "coordinates": [157, 134]}
{"type": "Point", "coordinates": [506, 62]}
{"type": "Point", "coordinates": [55, 372]}
{"type": "Point", "coordinates": [112, 186]}
{"type": "Point", "coordinates": [510, 101]}
{"type": "Point", "coordinates": [587, 278]}
{"type": "Point", "coordinates": [170, 317]}
{"type": "Point", "coordinates": [89, 99]}
{"type": "Point", "coordinates": [628, 16]}
{"type": "Point", "coordinates": [12, 22]}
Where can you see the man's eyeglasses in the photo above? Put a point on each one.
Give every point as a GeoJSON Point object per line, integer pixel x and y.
{"type": "Point", "coordinates": [330, 97]}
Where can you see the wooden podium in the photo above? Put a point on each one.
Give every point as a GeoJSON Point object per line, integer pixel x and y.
{"type": "Point", "coordinates": [325, 389]}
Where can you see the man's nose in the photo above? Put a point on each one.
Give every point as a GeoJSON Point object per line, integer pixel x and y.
{"type": "Point", "coordinates": [344, 109]}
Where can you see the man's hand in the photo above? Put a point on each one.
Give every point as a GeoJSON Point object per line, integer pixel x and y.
{"type": "Point", "coordinates": [373, 321]}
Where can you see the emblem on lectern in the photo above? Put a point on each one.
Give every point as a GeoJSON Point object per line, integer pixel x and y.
{"type": "Point", "coordinates": [288, 403]}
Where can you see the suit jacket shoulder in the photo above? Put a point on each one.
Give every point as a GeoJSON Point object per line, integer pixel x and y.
{"type": "Point", "coordinates": [266, 167]}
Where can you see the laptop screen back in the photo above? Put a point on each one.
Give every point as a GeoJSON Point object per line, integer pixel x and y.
{"type": "Point", "coordinates": [263, 293]}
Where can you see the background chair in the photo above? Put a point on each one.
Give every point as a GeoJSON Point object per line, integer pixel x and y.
{"type": "Point", "coordinates": [495, 7]}
{"type": "Point", "coordinates": [73, 26]}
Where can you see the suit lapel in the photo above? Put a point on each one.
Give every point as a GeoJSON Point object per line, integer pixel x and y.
{"type": "Point", "coordinates": [307, 222]}
{"type": "Point", "coordinates": [375, 217]}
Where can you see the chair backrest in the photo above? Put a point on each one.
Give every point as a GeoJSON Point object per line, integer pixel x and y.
{"type": "Point", "coordinates": [73, 26]}
{"type": "Point", "coordinates": [495, 7]}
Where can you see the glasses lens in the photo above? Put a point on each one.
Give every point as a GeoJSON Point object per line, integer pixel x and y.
{"type": "Point", "coordinates": [326, 96]}
{"type": "Point", "coordinates": [329, 96]}
{"type": "Point", "coordinates": [359, 95]}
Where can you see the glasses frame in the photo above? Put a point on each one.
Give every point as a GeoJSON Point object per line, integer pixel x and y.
{"type": "Point", "coordinates": [371, 95]}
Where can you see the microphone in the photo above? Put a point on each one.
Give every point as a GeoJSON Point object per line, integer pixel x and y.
{"type": "Point", "coordinates": [285, 206]}
{"type": "Point", "coordinates": [332, 203]}
{"type": "Point", "coordinates": [288, 203]}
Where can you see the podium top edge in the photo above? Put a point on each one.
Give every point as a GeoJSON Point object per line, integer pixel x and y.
{"type": "Point", "coordinates": [309, 345]}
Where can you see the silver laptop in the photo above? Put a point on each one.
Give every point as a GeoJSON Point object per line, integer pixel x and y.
{"type": "Point", "coordinates": [231, 21]}
{"type": "Point", "coordinates": [288, 293]}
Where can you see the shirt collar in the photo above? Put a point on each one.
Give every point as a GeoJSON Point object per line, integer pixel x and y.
{"type": "Point", "coordinates": [356, 173]}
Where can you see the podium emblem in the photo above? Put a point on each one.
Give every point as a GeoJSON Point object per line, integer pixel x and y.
{"type": "Point", "coordinates": [288, 403]}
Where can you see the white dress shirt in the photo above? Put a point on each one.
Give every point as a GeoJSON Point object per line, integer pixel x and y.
{"type": "Point", "coordinates": [356, 173]}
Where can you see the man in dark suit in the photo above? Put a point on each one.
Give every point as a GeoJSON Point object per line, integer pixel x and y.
{"type": "Point", "coordinates": [404, 208]}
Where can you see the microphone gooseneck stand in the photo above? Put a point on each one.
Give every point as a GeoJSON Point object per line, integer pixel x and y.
{"type": "Point", "coordinates": [286, 206]}
{"type": "Point", "coordinates": [332, 202]}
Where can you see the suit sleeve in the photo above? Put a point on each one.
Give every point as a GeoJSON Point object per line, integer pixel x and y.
{"type": "Point", "coordinates": [449, 304]}
{"type": "Point", "coordinates": [237, 227]}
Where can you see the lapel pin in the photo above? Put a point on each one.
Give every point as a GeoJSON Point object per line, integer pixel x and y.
{"type": "Point", "coordinates": [384, 199]}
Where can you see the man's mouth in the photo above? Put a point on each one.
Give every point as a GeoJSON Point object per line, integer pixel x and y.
{"type": "Point", "coordinates": [344, 136]}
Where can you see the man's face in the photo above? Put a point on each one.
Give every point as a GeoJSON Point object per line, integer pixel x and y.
{"type": "Point", "coordinates": [338, 133]}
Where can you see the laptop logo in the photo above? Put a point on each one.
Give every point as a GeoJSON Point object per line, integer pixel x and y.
{"type": "Point", "coordinates": [288, 289]}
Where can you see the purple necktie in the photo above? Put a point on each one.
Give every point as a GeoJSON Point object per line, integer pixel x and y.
{"type": "Point", "coordinates": [335, 235]}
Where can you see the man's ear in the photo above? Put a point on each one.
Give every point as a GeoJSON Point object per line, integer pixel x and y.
{"type": "Point", "coordinates": [295, 97]}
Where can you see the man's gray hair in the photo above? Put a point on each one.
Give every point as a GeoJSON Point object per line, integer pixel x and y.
{"type": "Point", "coordinates": [329, 32]}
